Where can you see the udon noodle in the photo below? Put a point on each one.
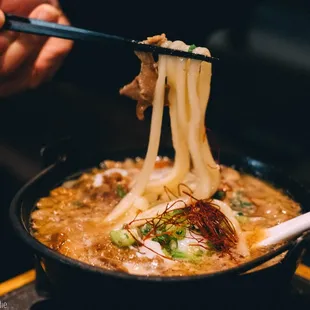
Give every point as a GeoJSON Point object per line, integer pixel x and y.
{"type": "Point", "coordinates": [188, 82]}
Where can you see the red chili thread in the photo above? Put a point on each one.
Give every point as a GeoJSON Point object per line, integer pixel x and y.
{"type": "Point", "coordinates": [201, 218]}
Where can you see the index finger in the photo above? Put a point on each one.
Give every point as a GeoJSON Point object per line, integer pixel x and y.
{"type": "Point", "coordinates": [2, 19]}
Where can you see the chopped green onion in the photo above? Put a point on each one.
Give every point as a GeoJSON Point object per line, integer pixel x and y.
{"type": "Point", "coordinates": [179, 233]}
{"type": "Point", "coordinates": [220, 195]}
{"type": "Point", "coordinates": [145, 229]}
{"type": "Point", "coordinates": [177, 211]}
{"type": "Point", "coordinates": [120, 191]}
{"type": "Point", "coordinates": [178, 255]}
{"type": "Point", "coordinates": [242, 219]}
{"type": "Point", "coordinates": [246, 204]}
{"type": "Point", "coordinates": [193, 256]}
{"type": "Point", "coordinates": [173, 245]}
{"type": "Point", "coordinates": [191, 48]}
{"type": "Point", "coordinates": [167, 242]}
{"type": "Point", "coordinates": [237, 201]}
{"type": "Point", "coordinates": [171, 214]}
{"type": "Point", "coordinates": [163, 240]}
{"type": "Point", "coordinates": [122, 238]}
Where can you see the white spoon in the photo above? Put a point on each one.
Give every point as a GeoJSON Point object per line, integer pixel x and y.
{"type": "Point", "coordinates": [285, 231]}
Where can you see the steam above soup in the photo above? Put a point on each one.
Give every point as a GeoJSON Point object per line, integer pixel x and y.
{"type": "Point", "coordinates": [159, 216]}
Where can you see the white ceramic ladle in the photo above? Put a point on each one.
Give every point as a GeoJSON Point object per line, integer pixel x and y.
{"type": "Point", "coordinates": [285, 231]}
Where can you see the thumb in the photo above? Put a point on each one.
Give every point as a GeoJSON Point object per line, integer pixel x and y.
{"type": "Point", "coordinates": [2, 19]}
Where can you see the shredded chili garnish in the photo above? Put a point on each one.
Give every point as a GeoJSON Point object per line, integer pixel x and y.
{"type": "Point", "coordinates": [212, 224]}
{"type": "Point", "coordinates": [169, 191]}
{"type": "Point", "coordinates": [184, 185]}
{"type": "Point", "coordinates": [207, 225]}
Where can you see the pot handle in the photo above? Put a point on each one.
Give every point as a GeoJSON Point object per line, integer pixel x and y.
{"type": "Point", "coordinates": [42, 284]}
{"type": "Point", "coordinates": [56, 152]}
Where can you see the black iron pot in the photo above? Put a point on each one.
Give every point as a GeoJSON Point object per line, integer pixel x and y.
{"type": "Point", "coordinates": [88, 286]}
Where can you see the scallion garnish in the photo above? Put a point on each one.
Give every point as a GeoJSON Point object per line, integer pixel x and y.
{"type": "Point", "coordinates": [191, 48]}
{"type": "Point", "coordinates": [220, 195]}
{"type": "Point", "coordinates": [120, 191]}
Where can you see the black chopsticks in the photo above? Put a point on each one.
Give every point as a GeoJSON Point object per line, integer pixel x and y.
{"type": "Point", "coordinates": [39, 27]}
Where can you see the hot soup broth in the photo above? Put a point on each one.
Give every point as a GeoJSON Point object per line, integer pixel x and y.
{"type": "Point", "coordinates": [70, 221]}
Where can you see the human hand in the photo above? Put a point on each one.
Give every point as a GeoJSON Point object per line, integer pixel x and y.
{"type": "Point", "coordinates": [27, 60]}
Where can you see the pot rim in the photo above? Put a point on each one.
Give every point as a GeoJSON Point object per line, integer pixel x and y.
{"type": "Point", "coordinates": [39, 248]}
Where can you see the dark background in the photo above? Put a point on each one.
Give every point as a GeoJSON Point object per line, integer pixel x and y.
{"type": "Point", "coordinates": [259, 101]}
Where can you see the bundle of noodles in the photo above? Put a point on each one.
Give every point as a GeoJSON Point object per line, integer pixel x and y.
{"type": "Point", "coordinates": [183, 85]}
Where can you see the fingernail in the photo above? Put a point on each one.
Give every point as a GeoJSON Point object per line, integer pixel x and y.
{"type": "Point", "coordinates": [47, 12]}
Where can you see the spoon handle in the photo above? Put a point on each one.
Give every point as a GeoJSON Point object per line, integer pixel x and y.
{"type": "Point", "coordinates": [286, 230]}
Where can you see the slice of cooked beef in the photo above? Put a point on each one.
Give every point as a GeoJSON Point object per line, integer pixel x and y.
{"type": "Point", "coordinates": [142, 88]}
{"type": "Point", "coordinates": [158, 39]}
